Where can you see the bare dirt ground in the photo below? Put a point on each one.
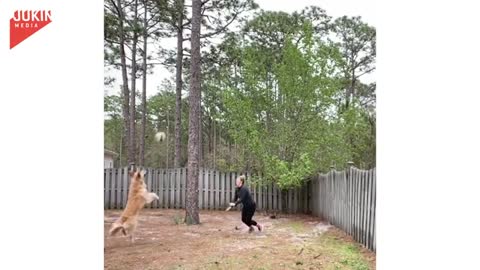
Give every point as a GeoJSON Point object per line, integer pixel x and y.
{"type": "Point", "coordinates": [162, 241]}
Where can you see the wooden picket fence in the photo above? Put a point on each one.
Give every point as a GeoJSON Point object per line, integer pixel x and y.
{"type": "Point", "coordinates": [216, 190]}
{"type": "Point", "coordinates": [347, 199]}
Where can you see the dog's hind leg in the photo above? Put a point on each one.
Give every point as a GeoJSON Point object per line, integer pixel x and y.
{"type": "Point", "coordinates": [116, 228]}
{"type": "Point", "coordinates": [130, 229]}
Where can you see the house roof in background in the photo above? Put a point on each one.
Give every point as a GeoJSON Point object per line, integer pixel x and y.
{"type": "Point", "coordinates": [110, 152]}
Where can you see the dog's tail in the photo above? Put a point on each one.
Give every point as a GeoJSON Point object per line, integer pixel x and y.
{"type": "Point", "coordinates": [116, 228]}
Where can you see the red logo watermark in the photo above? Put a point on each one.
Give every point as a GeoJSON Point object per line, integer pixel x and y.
{"type": "Point", "coordinates": [25, 23]}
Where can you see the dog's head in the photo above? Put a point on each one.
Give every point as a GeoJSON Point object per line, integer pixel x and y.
{"type": "Point", "coordinates": [138, 175]}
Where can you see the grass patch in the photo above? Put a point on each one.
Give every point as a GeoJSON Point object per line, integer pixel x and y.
{"type": "Point", "coordinates": [295, 226]}
{"type": "Point", "coordinates": [345, 255]}
{"type": "Point", "coordinates": [178, 219]}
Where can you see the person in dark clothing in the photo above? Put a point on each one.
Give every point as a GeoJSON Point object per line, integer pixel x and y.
{"type": "Point", "coordinates": [242, 195]}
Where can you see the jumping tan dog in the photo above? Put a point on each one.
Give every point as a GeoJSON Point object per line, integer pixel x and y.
{"type": "Point", "coordinates": [138, 196]}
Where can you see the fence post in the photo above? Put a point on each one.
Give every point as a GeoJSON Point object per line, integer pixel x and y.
{"type": "Point", "coordinates": [351, 196]}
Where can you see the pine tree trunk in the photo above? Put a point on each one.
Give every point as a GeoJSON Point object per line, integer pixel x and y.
{"type": "Point", "coordinates": [350, 91]}
{"type": "Point", "coordinates": [125, 90]}
{"type": "Point", "coordinates": [192, 212]}
{"type": "Point", "coordinates": [210, 134]}
{"type": "Point", "coordinates": [214, 146]}
{"type": "Point", "coordinates": [167, 139]}
{"type": "Point", "coordinates": [132, 141]}
{"type": "Point", "coordinates": [178, 99]}
{"type": "Point", "coordinates": [200, 137]}
{"type": "Point", "coordinates": [284, 194]}
{"type": "Point", "coordinates": [144, 88]}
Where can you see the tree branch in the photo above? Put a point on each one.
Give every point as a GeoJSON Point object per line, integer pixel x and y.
{"type": "Point", "coordinates": [371, 69]}
{"type": "Point", "coordinates": [116, 7]}
{"type": "Point", "coordinates": [208, 18]}
{"type": "Point", "coordinates": [189, 21]}
{"type": "Point", "coordinates": [218, 31]}
{"type": "Point", "coordinates": [112, 41]}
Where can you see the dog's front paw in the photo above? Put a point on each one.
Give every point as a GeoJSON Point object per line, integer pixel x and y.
{"type": "Point", "coordinates": [156, 196]}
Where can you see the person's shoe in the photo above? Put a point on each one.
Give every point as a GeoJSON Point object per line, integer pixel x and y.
{"type": "Point", "coordinates": [251, 229]}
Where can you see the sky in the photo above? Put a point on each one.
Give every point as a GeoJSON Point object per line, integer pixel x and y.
{"type": "Point", "coordinates": [334, 8]}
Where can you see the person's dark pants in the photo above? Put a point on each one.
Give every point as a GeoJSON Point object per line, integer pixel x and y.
{"type": "Point", "coordinates": [247, 214]}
